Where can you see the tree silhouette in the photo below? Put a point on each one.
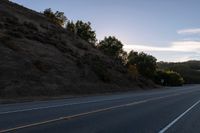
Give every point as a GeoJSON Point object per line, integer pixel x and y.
{"type": "Point", "coordinates": [168, 78]}
{"type": "Point", "coordinates": [146, 64]}
{"type": "Point", "coordinates": [111, 46]}
{"type": "Point", "coordinates": [57, 17]}
{"type": "Point", "coordinates": [83, 30]}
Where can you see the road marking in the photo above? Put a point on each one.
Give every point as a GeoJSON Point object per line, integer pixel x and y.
{"type": "Point", "coordinates": [55, 106]}
{"type": "Point", "coordinates": [70, 104]}
{"type": "Point", "coordinates": [72, 116]}
{"type": "Point", "coordinates": [178, 118]}
{"type": "Point", "coordinates": [86, 113]}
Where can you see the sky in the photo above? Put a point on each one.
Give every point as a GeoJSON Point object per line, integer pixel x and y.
{"type": "Point", "coordinates": [166, 29]}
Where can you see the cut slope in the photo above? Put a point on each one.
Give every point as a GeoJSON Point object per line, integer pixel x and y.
{"type": "Point", "coordinates": [40, 58]}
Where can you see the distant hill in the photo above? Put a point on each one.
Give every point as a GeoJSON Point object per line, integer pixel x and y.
{"type": "Point", "coordinates": [189, 70]}
{"type": "Point", "coordinates": [38, 57]}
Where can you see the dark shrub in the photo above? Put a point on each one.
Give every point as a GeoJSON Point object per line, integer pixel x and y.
{"type": "Point", "coordinates": [57, 18]}
{"type": "Point", "coordinates": [15, 34]}
{"type": "Point", "coordinates": [41, 66]}
{"type": "Point", "coordinates": [7, 41]}
{"type": "Point", "coordinates": [1, 25]}
{"type": "Point", "coordinates": [31, 26]}
{"type": "Point", "coordinates": [97, 66]}
{"type": "Point", "coordinates": [168, 78]}
{"type": "Point", "coordinates": [83, 30]}
{"type": "Point", "coordinates": [145, 64]}
{"type": "Point", "coordinates": [111, 46]}
{"type": "Point", "coordinates": [81, 46]}
{"type": "Point", "coordinates": [4, 39]}
{"type": "Point", "coordinates": [44, 26]}
{"type": "Point", "coordinates": [13, 20]}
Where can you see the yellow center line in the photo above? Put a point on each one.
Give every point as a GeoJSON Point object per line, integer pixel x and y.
{"type": "Point", "coordinates": [87, 113]}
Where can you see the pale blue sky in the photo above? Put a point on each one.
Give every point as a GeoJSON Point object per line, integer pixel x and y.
{"type": "Point", "coordinates": [167, 29]}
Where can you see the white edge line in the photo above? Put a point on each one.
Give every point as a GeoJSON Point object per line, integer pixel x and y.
{"type": "Point", "coordinates": [82, 114]}
{"type": "Point", "coordinates": [71, 116]}
{"type": "Point", "coordinates": [86, 113]}
{"type": "Point", "coordinates": [55, 106]}
{"type": "Point", "coordinates": [178, 118]}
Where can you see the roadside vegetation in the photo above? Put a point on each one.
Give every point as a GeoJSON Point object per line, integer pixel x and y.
{"type": "Point", "coordinates": [190, 70]}
{"type": "Point", "coordinates": [57, 18]}
{"type": "Point", "coordinates": [136, 63]}
{"type": "Point", "coordinates": [168, 78]}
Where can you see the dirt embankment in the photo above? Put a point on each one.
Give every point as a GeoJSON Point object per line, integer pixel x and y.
{"type": "Point", "coordinates": [38, 58]}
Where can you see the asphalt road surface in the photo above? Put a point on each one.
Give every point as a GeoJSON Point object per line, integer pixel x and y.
{"type": "Point", "coordinates": [169, 110]}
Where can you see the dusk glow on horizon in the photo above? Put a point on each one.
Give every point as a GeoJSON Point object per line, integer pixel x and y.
{"type": "Point", "coordinates": [168, 30]}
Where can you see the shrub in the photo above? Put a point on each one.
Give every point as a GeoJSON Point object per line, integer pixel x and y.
{"type": "Point", "coordinates": [7, 41]}
{"type": "Point", "coordinates": [15, 34]}
{"type": "Point", "coordinates": [57, 17]}
{"type": "Point", "coordinates": [41, 66]}
{"type": "Point", "coordinates": [1, 25]}
{"type": "Point", "coordinates": [132, 70]}
{"type": "Point", "coordinates": [81, 46]}
{"type": "Point", "coordinates": [4, 39]}
{"type": "Point", "coordinates": [168, 78]}
{"type": "Point", "coordinates": [44, 26]}
{"type": "Point", "coordinates": [97, 66]}
{"type": "Point", "coordinates": [13, 20]}
{"type": "Point", "coordinates": [146, 64]}
{"type": "Point", "coordinates": [83, 30]}
{"type": "Point", "coordinates": [30, 26]}
{"type": "Point", "coordinates": [111, 46]}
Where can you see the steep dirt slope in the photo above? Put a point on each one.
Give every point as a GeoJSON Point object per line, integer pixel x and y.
{"type": "Point", "coordinates": [40, 58]}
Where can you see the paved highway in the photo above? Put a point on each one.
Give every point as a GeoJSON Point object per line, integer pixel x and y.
{"type": "Point", "coordinates": [169, 110]}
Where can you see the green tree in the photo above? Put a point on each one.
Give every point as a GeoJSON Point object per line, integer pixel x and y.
{"type": "Point", "coordinates": [146, 64]}
{"type": "Point", "coordinates": [175, 78]}
{"type": "Point", "coordinates": [132, 70]}
{"type": "Point", "coordinates": [168, 78]}
{"type": "Point", "coordinates": [111, 46]}
{"type": "Point", "coordinates": [70, 26]}
{"type": "Point", "coordinates": [57, 17]}
{"type": "Point", "coordinates": [83, 30]}
{"type": "Point", "coordinates": [123, 57]}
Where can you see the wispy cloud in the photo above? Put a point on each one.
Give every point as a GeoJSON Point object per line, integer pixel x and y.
{"type": "Point", "coordinates": [186, 49]}
{"type": "Point", "coordinates": [146, 48]}
{"type": "Point", "coordinates": [175, 52]}
{"type": "Point", "coordinates": [190, 46]}
{"type": "Point", "coordinates": [179, 46]}
{"type": "Point", "coordinates": [189, 31]}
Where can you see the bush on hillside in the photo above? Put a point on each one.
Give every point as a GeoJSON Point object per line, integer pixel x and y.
{"type": "Point", "coordinates": [31, 26]}
{"type": "Point", "coordinates": [111, 46]}
{"type": "Point", "coordinates": [146, 64]}
{"type": "Point", "coordinates": [132, 70]}
{"type": "Point", "coordinates": [83, 30]}
{"type": "Point", "coordinates": [168, 78]}
{"type": "Point", "coordinates": [58, 17]}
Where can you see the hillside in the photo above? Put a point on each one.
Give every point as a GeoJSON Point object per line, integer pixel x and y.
{"type": "Point", "coordinates": [189, 70]}
{"type": "Point", "coordinates": [38, 57]}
